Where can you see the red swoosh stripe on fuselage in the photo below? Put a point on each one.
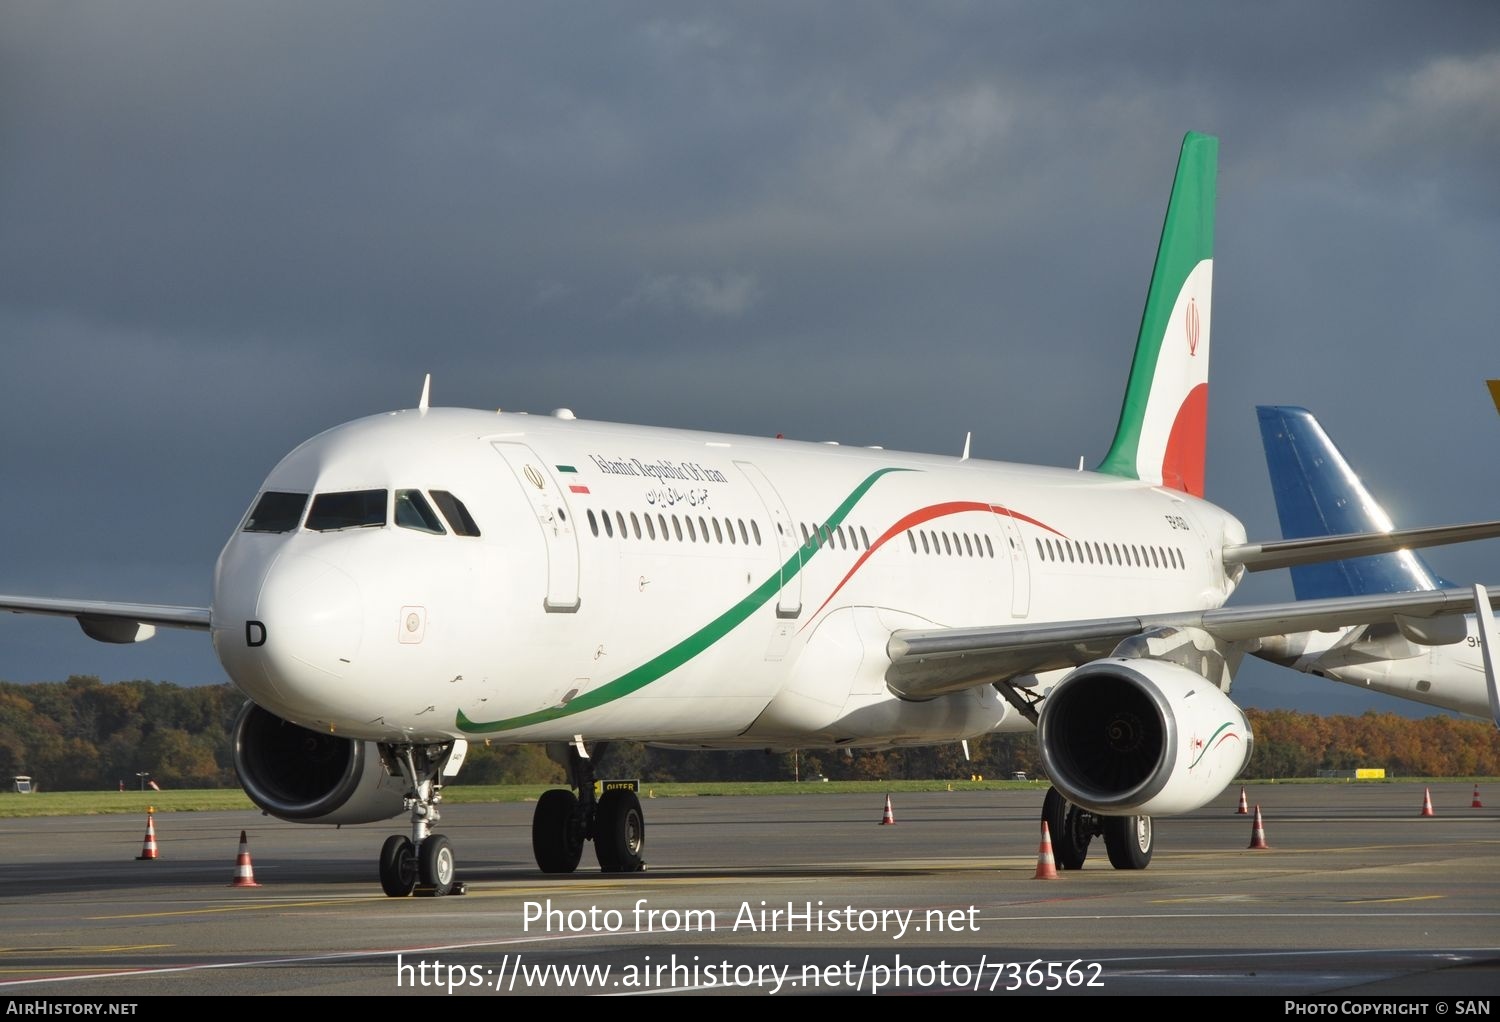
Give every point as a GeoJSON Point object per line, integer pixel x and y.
{"type": "Point", "coordinates": [920, 517]}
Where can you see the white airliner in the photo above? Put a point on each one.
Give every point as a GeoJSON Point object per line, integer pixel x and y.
{"type": "Point", "coordinates": [409, 583]}
{"type": "Point", "coordinates": [1318, 493]}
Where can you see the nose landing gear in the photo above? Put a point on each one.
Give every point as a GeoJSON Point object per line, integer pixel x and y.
{"type": "Point", "coordinates": [423, 863]}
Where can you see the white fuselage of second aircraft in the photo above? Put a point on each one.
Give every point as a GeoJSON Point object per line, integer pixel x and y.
{"type": "Point", "coordinates": [431, 574]}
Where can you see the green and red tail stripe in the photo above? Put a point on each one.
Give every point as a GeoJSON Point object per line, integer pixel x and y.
{"type": "Point", "coordinates": [1161, 437]}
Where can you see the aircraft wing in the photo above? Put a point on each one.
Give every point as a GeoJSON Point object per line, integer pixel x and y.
{"type": "Point", "coordinates": [931, 662]}
{"type": "Point", "coordinates": [112, 622]}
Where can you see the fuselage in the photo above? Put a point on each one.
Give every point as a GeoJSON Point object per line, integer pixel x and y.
{"type": "Point", "coordinates": [1447, 675]}
{"type": "Point", "coordinates": [444, 573]}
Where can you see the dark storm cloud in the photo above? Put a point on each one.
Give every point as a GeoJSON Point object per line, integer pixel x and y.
{"type": "Point", "coordinates": [226, 227]}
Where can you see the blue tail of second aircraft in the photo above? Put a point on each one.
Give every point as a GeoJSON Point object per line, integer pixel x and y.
{"type": "Point", "coordinates": [1318, 494]}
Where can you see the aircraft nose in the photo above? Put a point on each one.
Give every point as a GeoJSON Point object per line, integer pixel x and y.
{"type": "Point", "coordinates": [312, 616]}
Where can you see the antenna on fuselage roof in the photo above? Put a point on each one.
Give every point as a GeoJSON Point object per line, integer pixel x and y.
{"type": "Point", "coordinates": [426, 387]}
{"type": "Point", "coordinates": [967, 437]}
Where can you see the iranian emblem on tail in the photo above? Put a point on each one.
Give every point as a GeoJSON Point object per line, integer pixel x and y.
{"type": "Point", "coordinates": [1163, 426]}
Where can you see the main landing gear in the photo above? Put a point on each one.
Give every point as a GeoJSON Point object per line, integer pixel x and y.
{"type": "Point", "coordinates": [423, 862]}
{"type": "Point", "coordinates": [563, 821]}
{"type": "Point", "coordinates": [1127, 839]}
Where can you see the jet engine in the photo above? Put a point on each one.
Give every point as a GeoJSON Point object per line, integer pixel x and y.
{"type": "Point", "coordinates": [1122, 737]}
{"type": "Point", "coordinates": [305, 776]}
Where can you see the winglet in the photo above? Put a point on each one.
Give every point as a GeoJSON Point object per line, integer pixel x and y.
{"type": "Point", "coordinates": [1494, 386]}
{"type": "Point", "coordinates": [1163, 429]}
{"type": "Point", "coordinates": [426, 387]}
{"type": "Point", "coordinates": [1487, 641]}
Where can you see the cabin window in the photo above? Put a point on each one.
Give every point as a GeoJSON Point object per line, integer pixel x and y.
{"type": "Point", "coordinates": [593, 523]}
{"type": "Point", "coordinates": [692, 536]}
{"type": "Point", "coordinates": [912, 539]}
{"type": "Point", "coordinates": [755, 529]}
{"type": "Point", "coordinates": [609, 530]}
{"type": "Point", "coordinates": [352, 509]}
{"type": "Point", "coordinates": [990, 547]}
{"type": "Point", "coordinates": [745, 536]}
{"type": "Point", "coordinates": [620, 521]}
{"type": "Point", "coordinates": [650, 527]}
{"type": "Point", "coordinates": [925, 549]}
{"type": "Point", "coordinates": [635, 525]}
{"type": "Point", "coordinates": [677, 528]}
{"type": "Point", "coordinates": [459, 520]}
{"type": "Point", "coordinates": [413, 512]}
{"type": "Point", "coordinates": [703, 528]}
{"type": "Point", "coordinates": [947, 544]}
{"type": "Point", "coordinates": [276, 512]}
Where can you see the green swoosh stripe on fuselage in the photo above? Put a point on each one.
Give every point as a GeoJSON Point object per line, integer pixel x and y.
{"type": "Point", "coordinates": [671, 659]}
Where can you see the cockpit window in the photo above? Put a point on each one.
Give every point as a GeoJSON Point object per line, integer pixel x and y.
{"type": "Point", "coordinates": [413, 512]}
{"type": "Point", "coordinates": [353, 509]}
{"type": "Point", "coordinates": [276, 512]}
{"type": "Point", "coordinates": [459, 519]}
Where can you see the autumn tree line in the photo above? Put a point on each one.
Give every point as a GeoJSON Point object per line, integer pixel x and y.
{"type": "Point", "coordinates": [82, 734]}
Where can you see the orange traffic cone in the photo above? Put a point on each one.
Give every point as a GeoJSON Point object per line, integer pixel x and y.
{"type": "Point", "coordinates": [1244, 809]}
{"type": "Point", "coordinates": [148, 847]}
{"type": "Point", "coordinates": [1258, 832]}
{"type": "Point", "coordinates": [244, 873]}
{"type": "Point", "coordinates": [1046, 865]}
{"type": "Point", "coordinates": [1476, 804]}
{"type": "Point", "coordinates": [1427, 802]}
{"type": "Point", "coordinates": [889, 817]}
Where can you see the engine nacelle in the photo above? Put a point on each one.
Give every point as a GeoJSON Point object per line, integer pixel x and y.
{"type": "Point", "coordinates": [1125, 737]}
{"type": "Point", "coordinates": [304, 776]}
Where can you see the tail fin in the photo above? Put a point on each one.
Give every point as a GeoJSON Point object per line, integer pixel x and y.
{"type": "Point", "coordinates": [1318, 494]}
{"type": "Point", "coordinates": [1164, 421]}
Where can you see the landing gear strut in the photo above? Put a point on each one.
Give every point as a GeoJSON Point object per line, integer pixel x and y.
{"type": "Point", "coordinates": [1128, 839]}
{"type": "Point", "coordinates": [563, 821]}
{"type": "Point", "coordinates": [425, 860]}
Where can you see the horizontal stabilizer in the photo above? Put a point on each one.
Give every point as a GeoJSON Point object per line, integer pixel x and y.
{"type": "Point", "coordinates": [1284, 553]}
